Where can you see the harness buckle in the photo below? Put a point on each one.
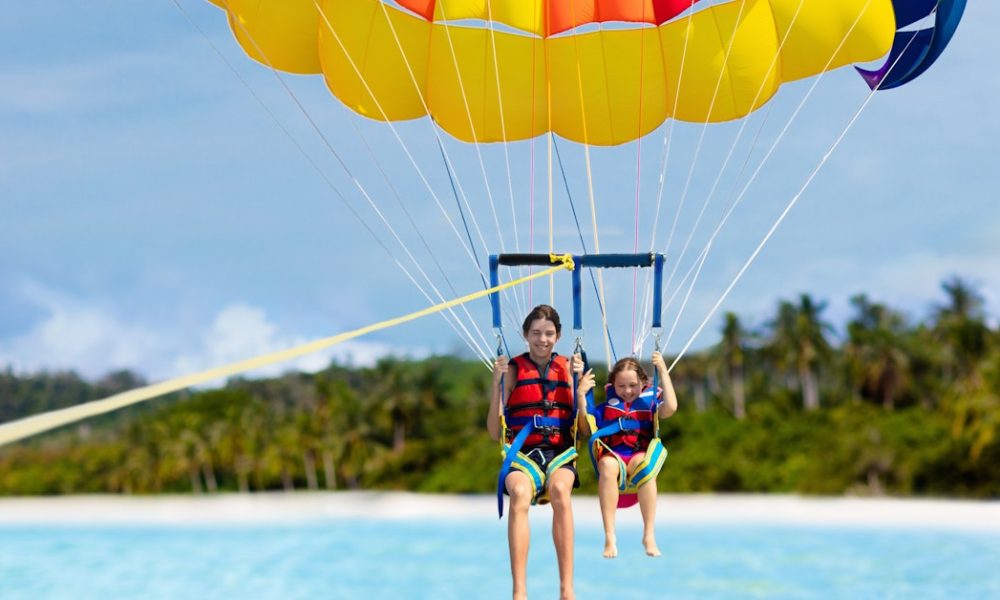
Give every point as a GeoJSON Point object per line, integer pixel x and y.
{"type": "Point", "coordinates": [545, 430]}
{"type": "Point", "coordinates": [547, 404]}
{"type": "Point", "coordinates": [540, 456]}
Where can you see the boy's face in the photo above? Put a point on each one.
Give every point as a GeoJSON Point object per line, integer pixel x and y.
{"type": "Point", "coordinates": [542, 337]}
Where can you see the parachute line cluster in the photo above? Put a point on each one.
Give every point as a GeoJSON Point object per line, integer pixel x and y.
{"type": "Point", "coordinates": [529, 72]}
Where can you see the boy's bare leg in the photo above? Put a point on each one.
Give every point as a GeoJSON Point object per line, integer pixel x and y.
{"type": "Point", "coordinates": [560, 487]}
{"type": "Point", "coordinates": [607, 495]}
{"type": "Point", "coordinates": [518, 532]}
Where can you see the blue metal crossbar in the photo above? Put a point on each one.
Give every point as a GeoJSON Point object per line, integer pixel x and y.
{"type": "Point", "coordinates": [593, 261]}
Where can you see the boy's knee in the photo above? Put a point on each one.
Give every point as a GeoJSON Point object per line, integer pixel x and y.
{"type": "Point", "coordinates": [520, 493]}
{"type": "Point", "coordinates": [560, 490]}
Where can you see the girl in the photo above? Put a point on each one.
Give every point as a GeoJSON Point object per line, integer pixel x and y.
{"type": "Point", "coordinates": [626, 447]}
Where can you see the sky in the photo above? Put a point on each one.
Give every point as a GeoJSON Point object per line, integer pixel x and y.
{"type": "Point", "coordinates": [167, 207]}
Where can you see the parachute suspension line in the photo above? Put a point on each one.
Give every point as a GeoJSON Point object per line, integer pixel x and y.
{"type": "Point", "coordinates": [447, 168]}
{"type": "Point", "coordinates": [423, 239]}
{"type": "Point", "coordinates": [699, 261]}
{"type": "Point", "coordinates": [551, 141]}
{"type": "Point", "coordinates": [732, 204]}
{"type": "Point", "coordinates": [700, 145]}
{"type": "Point", "coordinates": [668, 137]}
{"type": "Point", "coordinates": [17, 430]}
{"type": "Point", "coordinates": [503, 134]}
{"type": "Point", "coordinates": [475, 138]}
{"type": "Point", "coordinates": [552, 281]}
{"type": "Point", "coordinates": [701, 139]}
{"type": "Point", "coordinates": [583, 244]}
{"type": "Point", "coordinates": [531, 162]}
{"type": "Point", "coordinates": [777, 222]}
{"type": "Point", "coordinates": [697, 153]}
{"type": "Point", "coordinates": [392, 128]}
{"type": "Point", "coordinates": [449, 165]}
{"type": "Point", "coordinates": [638, 181]}
{"type": "Point", "coordinates": [469, 340]}
{"type": "Point", "coordinates": [796, 197]}
{"type": "Point", "coordinates": [590, 189]}
{"type": "Point", "coordinates": [725, 217]}
{"type": "Point", "coordinates": [461, 212]}
{"type": "Point", "coordinates": [458, 203]}
{"type": "Point", "coordinates": [402, 144]}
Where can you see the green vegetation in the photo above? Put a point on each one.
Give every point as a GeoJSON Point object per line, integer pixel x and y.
{"type": "Point", "coordinates": [892, 408]}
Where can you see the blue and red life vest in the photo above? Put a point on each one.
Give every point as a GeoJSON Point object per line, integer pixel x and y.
{"type": "Point", "coordinates": [542, 392]}
{"type": "Point", "coordinates": [636, 418]}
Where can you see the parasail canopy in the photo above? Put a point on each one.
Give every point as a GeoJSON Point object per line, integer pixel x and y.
{"type": "Point", "coordinates": [498, 71]}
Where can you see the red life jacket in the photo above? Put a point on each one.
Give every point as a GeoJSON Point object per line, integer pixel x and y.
{"type": "Point", "coordinates": [639, 410]}
{"type": "Point", "coordinates": [544, 393]}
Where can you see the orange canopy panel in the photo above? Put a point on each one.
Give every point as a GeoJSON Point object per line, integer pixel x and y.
{"type": "Point", "coordinates": [549, 17]}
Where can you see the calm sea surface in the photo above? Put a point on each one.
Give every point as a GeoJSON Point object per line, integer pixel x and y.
{"type": "Point", "coordinates": [372, 559]}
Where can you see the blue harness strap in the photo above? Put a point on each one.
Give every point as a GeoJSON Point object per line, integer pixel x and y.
{"type": "Point", "coordinates": [513, 451]}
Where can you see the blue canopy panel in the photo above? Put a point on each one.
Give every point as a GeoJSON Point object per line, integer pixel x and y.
{"type": "Point", "coordinates": [913, 52]}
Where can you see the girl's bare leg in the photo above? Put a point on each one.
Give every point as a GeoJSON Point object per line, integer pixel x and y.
{"type": "Point", "coordinates": [647, 506]}
{"type": "Point", "coordinates": [607, 495]}
{"type": "Point", "coordinates": [518, 533]}
{"type": "Point", "coordinates": [560, 487]}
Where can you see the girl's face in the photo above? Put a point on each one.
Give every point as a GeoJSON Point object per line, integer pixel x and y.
{"type": "Point", "coordinates": [541, 337]}
{"type": "Point", "coordinates": [628, 386]}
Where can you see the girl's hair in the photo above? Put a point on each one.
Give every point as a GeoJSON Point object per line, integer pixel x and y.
{"type": "Point", "coordinates": [542, 311]}
{"type": "Point", "coordinates": [628, 364]}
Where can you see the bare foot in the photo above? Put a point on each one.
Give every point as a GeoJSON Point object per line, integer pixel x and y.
{"type": "Point", "coordinates": [567, 595]}
{"type": "Point", "coordinates": [651, 548]}
{"type": "Point", "coordinates": [610, 547]}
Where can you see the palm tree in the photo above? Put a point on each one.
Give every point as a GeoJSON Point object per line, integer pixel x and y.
{"type": "Point", "coordinates": [961, 327]}
{"type": "Point", "coordinates": [731, 350]}
{"type": "Point", "coordinates": [798, 340]}
{"type": "Point", "coordinates": [875, 351]}
{"type": "Point", "coordinates": [690, 377]}
{"type": "Point", "coordinates": [395, 388]}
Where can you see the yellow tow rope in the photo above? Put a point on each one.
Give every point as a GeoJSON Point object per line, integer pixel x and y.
{"type": "Point", "coordinates": [35, 424]}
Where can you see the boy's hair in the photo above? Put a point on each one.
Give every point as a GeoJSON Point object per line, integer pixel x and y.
{"type": "Point", "coordinates": [628, 364]}
{"type": "Point", "coordinates": [542, 311]}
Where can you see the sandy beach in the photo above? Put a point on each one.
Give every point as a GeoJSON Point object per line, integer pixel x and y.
{"type": "Point", "coordinates": [278, 508]}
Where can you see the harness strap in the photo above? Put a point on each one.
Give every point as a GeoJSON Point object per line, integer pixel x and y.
{"type": "Point", "coordinates": [539, 422]}
{"type": "Point", "coordinates": [545, 383]}
{"type": "Point", "coordinates": [624, 425]}
{"type": "Point", "coordinates": [511, 453]}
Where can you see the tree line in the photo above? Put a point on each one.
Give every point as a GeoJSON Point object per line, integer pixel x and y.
{"type": "Point", "coordinates": [889, 406]}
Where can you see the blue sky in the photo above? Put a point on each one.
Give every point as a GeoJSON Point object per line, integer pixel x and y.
{"type": "Point", "coordinates": [154, 216]}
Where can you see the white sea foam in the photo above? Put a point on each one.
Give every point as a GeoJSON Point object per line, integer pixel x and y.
{"type": "Point", "coordinates": [676, 510]}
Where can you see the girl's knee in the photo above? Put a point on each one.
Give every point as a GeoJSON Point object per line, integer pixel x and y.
{"type": "Point", "coordinates": [635, 461]}
{"type": "Point", "coordinates": [607, 465]}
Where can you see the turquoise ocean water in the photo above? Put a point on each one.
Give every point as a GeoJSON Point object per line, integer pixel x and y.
{"type": "Point", "coordinates": [373, 559]}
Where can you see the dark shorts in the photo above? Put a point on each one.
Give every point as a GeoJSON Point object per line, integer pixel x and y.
{"type": "Point", "coordinates": [542, 456]}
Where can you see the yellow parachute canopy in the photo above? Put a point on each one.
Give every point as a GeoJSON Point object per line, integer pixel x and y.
{"type": "Point", "coordinates": [602, 87]}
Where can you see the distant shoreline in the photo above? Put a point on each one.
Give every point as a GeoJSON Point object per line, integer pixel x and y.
{"type": "Point", "coordinates": [672, 510]}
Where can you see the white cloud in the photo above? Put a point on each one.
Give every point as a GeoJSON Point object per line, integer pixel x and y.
{"type": "Point", "coordinates": [240, 332]}
{"type": "Point", "coordinates": [92, 342]}
{"type": "Point", "coordinates": [76, 337]}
